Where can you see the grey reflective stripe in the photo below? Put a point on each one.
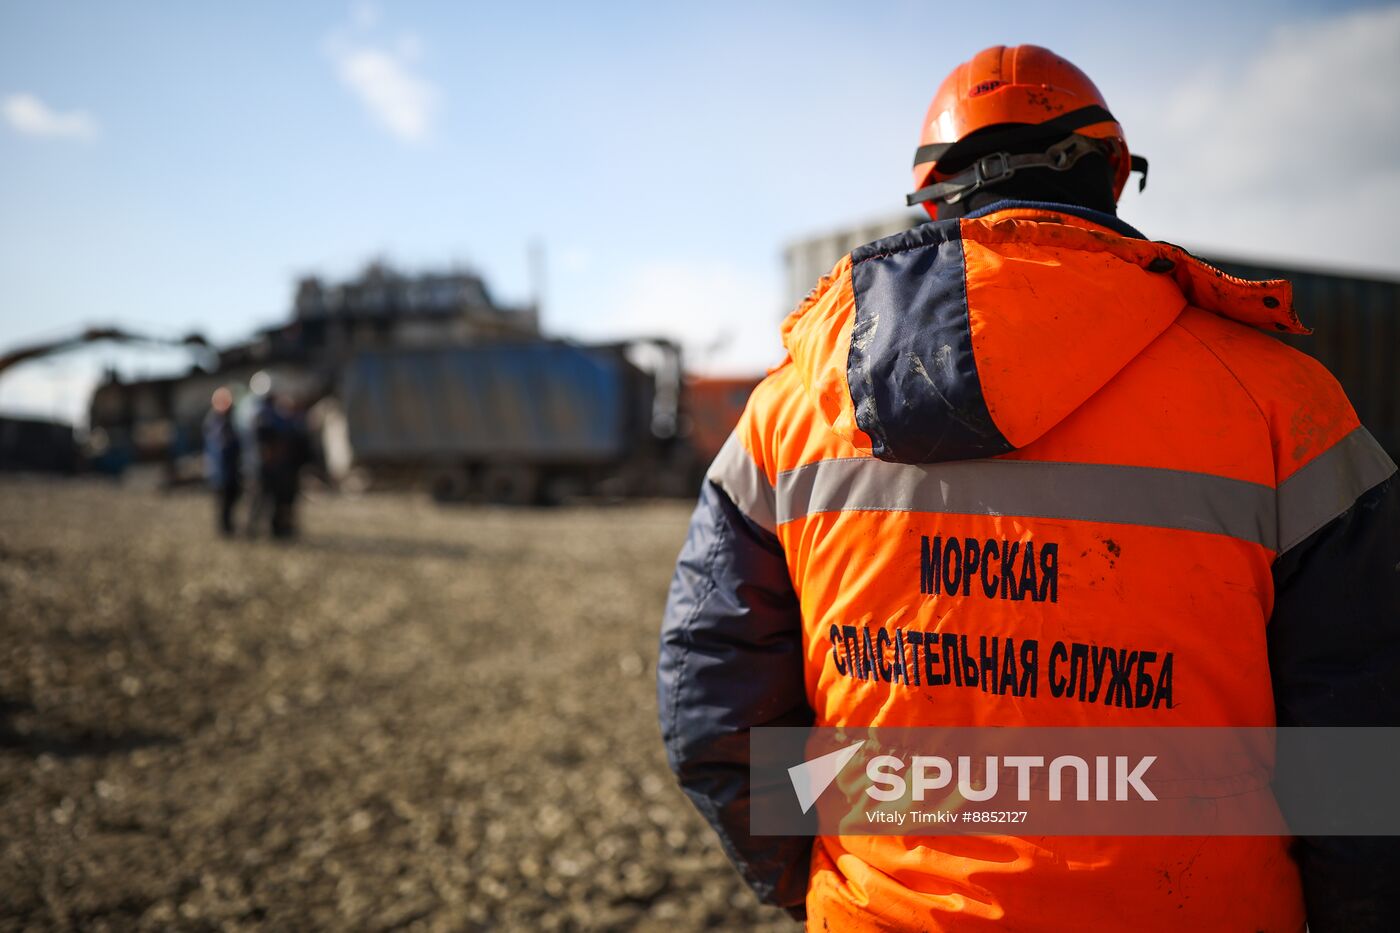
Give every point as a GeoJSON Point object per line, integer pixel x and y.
{"type": "Point", "coordinates": [746, 485]}
{"type": "Point", "coordinates": [1035, 489]}
{"type": "Point", "coordinates": [1328, 485]}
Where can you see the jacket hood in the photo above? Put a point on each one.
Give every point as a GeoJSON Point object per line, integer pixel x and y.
{"type": "Point", "coordinates": [969, 338]}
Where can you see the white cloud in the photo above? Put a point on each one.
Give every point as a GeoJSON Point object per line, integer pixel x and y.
{"type": "Point", "coordinates": [384, 76]}
{"type": "Point", "coordinates": [725, 318]}
{"type": "Point", "coordinates": [1319, 99]}
{"type": "Point", "coordinates": [30, 116]}
{"type": "Point", "coordinates": [1291, 151]}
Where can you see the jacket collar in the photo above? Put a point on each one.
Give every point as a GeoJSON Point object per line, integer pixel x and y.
{"type": "Point", "coordinates": [1107, 221]}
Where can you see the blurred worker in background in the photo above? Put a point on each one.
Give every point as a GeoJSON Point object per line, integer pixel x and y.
{"type": "Point", "coordinates": [279, 434]}
{"type": "Point", "coordinates": [1109, 452]}
{"type": "Point", "coordinates": [297, 454]}
{"type": "Point", "coordinates": [223, 456]}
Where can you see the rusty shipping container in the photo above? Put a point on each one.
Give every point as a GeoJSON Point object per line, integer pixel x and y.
{"type": "Point", "coordinates": [713, 405]}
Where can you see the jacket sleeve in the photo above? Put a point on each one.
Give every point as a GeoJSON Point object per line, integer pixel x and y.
{"type": "Point", "coordinates": [730, 660]}
{"type": "Point", "coordinates": [1334, 654]}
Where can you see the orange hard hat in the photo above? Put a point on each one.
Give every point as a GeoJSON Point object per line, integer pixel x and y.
{"type": "Point", "coordinates": [1014, 94]}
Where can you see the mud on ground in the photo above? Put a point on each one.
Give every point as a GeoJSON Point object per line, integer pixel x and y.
{"type": "Point", "coordinates": [413, 718]}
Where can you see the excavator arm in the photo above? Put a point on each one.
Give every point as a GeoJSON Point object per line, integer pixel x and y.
{"type": "Point", "coordinates": [90, 335]}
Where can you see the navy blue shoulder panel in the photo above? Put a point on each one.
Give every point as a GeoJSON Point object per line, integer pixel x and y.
{"type": "Point", "coordinates": [911, 368]}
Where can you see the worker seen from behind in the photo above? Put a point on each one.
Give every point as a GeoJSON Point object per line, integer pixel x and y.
{"type": "Point", "coordinates": [1027, 420]}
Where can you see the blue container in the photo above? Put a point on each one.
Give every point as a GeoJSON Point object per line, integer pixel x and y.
{"type": "Point", "coordinates": [542, 403]}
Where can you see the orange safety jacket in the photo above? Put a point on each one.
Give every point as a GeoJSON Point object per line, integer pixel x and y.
{"type": "Point", "coordinates": [1036, 437]}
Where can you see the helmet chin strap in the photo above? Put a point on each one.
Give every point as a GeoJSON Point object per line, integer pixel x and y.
{"type": "Point", "coordinates": [1000, 166]}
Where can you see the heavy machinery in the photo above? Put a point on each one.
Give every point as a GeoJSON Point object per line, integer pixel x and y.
{"type": "Point", "coordinates": [91, 335]}
{"type": "Point", "coordinates": [50, 446]}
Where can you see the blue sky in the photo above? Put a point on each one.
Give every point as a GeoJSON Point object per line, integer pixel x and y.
{"type": "Point", "coordinates": [173, 167]}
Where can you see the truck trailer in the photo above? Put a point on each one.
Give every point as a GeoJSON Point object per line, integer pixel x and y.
{"type": "Point", "coordinates": [518, 422]}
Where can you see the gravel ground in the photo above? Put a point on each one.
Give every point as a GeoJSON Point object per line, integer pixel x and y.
{"type": "Point", "coordinates": [412, 718]}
